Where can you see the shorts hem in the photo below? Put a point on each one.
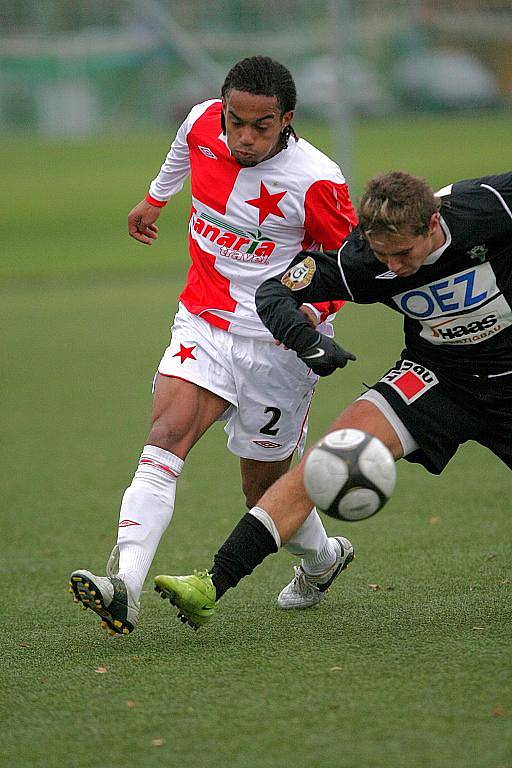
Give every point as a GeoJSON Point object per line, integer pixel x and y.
{"type": "Point", "coordinates": [259, 458]}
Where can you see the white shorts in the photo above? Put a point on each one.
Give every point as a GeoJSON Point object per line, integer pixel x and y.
{"type": "Point", "coordinates": [269, 388]}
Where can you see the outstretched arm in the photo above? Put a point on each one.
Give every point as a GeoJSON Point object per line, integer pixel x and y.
{"type": "Point", "coordinates": [311, 277]}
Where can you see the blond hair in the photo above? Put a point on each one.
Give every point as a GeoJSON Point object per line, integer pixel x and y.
{"type": "Point", "coordinates": [397, 203]}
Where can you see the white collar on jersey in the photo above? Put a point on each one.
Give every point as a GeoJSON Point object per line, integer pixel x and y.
{"type": "Point", "coordinates": [433, 257]}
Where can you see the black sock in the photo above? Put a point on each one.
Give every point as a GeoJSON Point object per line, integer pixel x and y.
{"type": "Point", "coordinates": [245, 548]}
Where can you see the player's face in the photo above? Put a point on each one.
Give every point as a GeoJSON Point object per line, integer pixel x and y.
{"type": "Point", "coordinates": [404, 254]}
{"type": "Point", "coordinates": [253, 126]}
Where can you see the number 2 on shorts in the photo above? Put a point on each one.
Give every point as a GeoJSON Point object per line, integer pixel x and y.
{"type": "Point", "coordinates": [270, 427]}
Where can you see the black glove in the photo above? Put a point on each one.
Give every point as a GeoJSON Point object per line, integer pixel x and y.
{"type": "Point", "coordinates": [324, 356]}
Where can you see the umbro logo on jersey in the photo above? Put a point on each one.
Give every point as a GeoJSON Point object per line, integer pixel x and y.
{"type": "Point", "coordinates": [208, 152]}
{"type": "Point", "coordinates": [386, 275]}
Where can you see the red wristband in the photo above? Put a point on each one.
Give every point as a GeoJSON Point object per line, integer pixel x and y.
{"type": "Point", "coordinates": [153, 201]}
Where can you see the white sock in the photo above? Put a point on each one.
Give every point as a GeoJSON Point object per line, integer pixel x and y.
{"type": "Point", "coordinates": [319, 552]}
{"type": "Point", "coordinates": [267, 521]}
{"type": "Point", "coordinates": [146, 511]}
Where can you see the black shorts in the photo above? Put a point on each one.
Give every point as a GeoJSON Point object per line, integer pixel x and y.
{"type": "Point", "coordinates": [441, 411]}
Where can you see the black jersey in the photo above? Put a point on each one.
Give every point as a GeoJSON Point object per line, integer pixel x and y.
{"type": "Point", "coordinates": [456, 307]}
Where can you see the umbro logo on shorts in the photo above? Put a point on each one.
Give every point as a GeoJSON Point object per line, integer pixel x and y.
{"type": "Point", "coordinates": [267, 444]}
{"type": "Point", "coordinates": [410, 380]}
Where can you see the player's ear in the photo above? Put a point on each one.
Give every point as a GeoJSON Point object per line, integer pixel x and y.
{"type": "Point", "coordinates": [286, 119]}
{"type": "Point", "coordinates": [434, 222]}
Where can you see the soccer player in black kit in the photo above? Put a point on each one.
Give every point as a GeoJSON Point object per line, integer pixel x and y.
{"type": "Point", "coordinates": [444, 261]}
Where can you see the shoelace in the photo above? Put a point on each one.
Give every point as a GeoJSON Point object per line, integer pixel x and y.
{"type": "Point", "coordinates": [302, 582]}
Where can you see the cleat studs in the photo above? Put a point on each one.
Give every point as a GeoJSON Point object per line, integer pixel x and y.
{"type": "Point", "coordinates": [76, 578]}
{"type": "Point", "coordinates": [111, 632]}
{"type": "Point", "coordinates": [117, 623]}
{"type": "Point", "coordinates": [104, 625]}
{"type": "Point", "coordinates": [83, 606]}
{"type": "Point", "coordinates": [126, 631]}
{"type": "Point", "coordinates": [76, 600]}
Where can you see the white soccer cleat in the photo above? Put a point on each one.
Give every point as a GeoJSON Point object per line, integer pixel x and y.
{"type": "Point", "coordinates": [108, 596]}
{"type": "Point", "coordinates": [304, 591]}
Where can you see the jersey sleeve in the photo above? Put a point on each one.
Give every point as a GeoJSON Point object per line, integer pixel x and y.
{"type": "Point", "coordinates": [325, 310]}
{"type": "Point", "coordinates": [174, 170]}
{"type": "Point", "coordinates": [329, 214]}
{"type": "Point", "coordinates": [311, 278]}
{"type": "Point", "coordinates": [499, 189]}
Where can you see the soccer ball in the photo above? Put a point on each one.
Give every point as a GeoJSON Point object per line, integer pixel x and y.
{"type": "Point", "coordinates": [349, 474]}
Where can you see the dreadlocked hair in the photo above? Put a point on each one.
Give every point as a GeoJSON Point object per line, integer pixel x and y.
{"type": "Point", "coordinates": [397, 203]}
{"type": "Point", "coordinates": [263, 76]}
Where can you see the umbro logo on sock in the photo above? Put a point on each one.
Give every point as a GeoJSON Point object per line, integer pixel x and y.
{"type": "Point", "coordinates": [125, 523]}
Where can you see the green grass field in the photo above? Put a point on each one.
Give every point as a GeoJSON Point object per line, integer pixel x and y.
{"type": "Point", "coordinates": [408, 662]}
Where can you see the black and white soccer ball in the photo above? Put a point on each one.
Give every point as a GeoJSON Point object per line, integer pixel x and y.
{"type": "Point", "coordinates": [349, 474]}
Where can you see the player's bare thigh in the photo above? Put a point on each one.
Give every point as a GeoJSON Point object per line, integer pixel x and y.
{"type": "Point", "coordinates": [182, 412]}
{"type": "Point", "coordinates": [366, 416]}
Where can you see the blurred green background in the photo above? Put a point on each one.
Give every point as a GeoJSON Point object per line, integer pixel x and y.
{"type": "Point", "coordinates": [408, 661]}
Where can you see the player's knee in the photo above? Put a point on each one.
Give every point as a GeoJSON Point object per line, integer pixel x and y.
{"type": "Point", "coordinates": [170, 435]}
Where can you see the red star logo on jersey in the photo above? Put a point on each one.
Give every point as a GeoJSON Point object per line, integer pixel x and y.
{"type": "Point", "coordinates": [185, 353]}
{"type": "Point", "coordinates": [267, 203]}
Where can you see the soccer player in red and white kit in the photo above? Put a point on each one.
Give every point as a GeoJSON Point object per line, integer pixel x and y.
{"type": "Point", "coordinates": [260, 194]}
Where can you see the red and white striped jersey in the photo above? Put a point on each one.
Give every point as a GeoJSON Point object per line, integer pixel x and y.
{"type": "Point", "coordinates": [247, 224]}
